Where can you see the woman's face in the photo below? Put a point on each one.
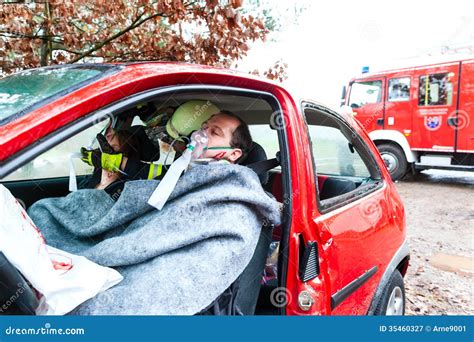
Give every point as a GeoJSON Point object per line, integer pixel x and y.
{"type": "Point", "coordinates": [113, 139]}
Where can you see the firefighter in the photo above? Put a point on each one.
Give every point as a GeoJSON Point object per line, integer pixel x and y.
{"type": "Point", "coordinates": [187, 118]}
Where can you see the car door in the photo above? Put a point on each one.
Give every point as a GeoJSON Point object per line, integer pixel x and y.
{"type": "Point", "coordinates": [352, 217]}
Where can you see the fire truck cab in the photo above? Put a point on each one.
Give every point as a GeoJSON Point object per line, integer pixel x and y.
{"type": "Point", "coordinates": [419, 117]}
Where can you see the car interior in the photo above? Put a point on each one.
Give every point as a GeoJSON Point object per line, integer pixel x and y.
{"type": "Point", "coordinates": [252, 291]}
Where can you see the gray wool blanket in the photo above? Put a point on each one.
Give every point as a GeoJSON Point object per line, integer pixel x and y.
{"type": "Point", "coordinates": [175, 261]}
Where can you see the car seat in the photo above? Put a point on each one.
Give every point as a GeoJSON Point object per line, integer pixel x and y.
{"type": "Point", "coordinates": [256, 155]}
{"type": "Point", "coordinates": [16, 295]}
{"type": "Point", "coordinates": [333, 187]}
{"type": "Point", "coordinates": [241, 297]}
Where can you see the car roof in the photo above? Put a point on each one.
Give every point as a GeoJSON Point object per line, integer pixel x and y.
{"type": "Point", "coordinates": [126, 80]}
{"type": "Point", "coordinates": [133, 70]}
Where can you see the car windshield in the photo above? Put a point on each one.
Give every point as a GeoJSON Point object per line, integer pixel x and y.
{"type": "Point", "coordinates": [25, 91]}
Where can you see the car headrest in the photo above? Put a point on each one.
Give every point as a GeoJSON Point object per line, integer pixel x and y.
{"type": "Point", "coordinates": [256, 154]}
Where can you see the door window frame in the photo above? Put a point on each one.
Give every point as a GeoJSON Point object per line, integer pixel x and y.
{"type": "Point", "coordinates": [363, 190]}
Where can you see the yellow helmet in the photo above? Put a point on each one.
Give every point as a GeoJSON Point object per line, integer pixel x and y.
{"type": "Point", "coordinates": [189, 117]}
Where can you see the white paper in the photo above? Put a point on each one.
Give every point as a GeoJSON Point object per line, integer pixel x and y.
{"type": "Point", "coordinates": [72, 171]}
{"type": "Point", "coordinates": [63, 280]}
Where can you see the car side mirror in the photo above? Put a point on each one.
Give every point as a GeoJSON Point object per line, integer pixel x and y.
{"type": "Point", "coordinates": [343, 96]}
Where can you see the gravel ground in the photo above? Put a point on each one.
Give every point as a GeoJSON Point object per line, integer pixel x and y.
{"type": "Point", "coordinates": [440, 220]}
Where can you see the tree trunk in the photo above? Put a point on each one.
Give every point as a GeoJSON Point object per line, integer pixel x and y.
{"type": "Point", "coordinates": [46, 45]}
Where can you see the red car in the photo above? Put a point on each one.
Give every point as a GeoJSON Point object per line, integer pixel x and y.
{"type": "Point", "coordinates": [341, 249]}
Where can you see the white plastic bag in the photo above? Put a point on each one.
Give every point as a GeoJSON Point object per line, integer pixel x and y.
{"type": "Point", "coordinates": [63, 280]}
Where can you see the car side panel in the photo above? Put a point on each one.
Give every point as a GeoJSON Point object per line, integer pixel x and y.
{"type": "Point", "coordinates": [359, 237]}
{"type": "Point", "coordinates": [351, 240]}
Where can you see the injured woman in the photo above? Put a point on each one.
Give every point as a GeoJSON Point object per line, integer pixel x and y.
{"type": "Point", "coordinates": [113, 141]}
{"type": "Point", "coordinates": [178, 242]}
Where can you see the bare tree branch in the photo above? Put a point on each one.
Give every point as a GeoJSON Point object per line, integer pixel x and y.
{"type": "Point", "coordinates": [61, 47]}
{"type": "Point", "coordinates": [19, 35]}
{"type": "Point", "coordinates": [136, 22]}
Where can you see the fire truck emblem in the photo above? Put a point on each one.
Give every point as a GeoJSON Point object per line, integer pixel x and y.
{"type": "Point", "coordinates": [432, 123]}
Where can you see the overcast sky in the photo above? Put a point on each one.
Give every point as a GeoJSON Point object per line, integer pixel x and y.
{"type": "Point", "coordinates": [331, 41]}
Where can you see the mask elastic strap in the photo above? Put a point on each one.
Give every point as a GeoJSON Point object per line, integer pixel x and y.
{"type": "Point", "coordinates": [171, 146]}
{"type": "Point", "coordinates": [221, 155]}
{"type": "Point", "coordinates": [219, 148]}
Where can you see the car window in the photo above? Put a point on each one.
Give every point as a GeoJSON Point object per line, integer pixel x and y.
{"type": "Point", "coordinates": [56, 161]}
{"type": "Point", "coordinates": [23, 91]}
{"type": "Point", "coordinates": [266, 137]}
{"type": "Point", "coordinates": [333, 153]}
{"type": "Point", "coordinates": [338, 154]}
{"type": "Point", "coordinates": [365, 92]}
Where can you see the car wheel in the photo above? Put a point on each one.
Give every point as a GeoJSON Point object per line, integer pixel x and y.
{"type": "Point", "coordinates": [394, 159]}
{"type": "Point", "coordinates": [392, 301]}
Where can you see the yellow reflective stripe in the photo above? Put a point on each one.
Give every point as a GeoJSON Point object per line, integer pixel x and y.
{"type": "Point", "coordinates": [427, 82]}
{"type": "Point", "coordinates": [159, 169]}
{"type": "Point", "coordinates": [151, 171]}
{"type": "Point", "coordinates": [155, 170]}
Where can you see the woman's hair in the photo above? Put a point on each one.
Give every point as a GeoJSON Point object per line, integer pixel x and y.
{"type": "Point", "coordinates": [129, 144]}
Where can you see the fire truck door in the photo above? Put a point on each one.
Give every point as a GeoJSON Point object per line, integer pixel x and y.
{"type": "Point", "coordinates": [436, 91]}
{"type": "Point", "coordinates": [465, 114]}
{"type": "Point", "coordinates": [399, 105]}
{"type": "Point", "coordinates": [366, 99]}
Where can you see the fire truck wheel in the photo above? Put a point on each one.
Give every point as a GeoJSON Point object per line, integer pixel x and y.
{"type": "Point", "coordinates": [394, 159]}
{"type": "Point", "coordinates": [392, 301]}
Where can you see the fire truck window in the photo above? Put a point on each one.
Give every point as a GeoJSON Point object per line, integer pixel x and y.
{"type": "Point", "coordinates": [435, 90]}
{"type": "Point", "coordinates": [365, 92]}
{"type": "Point", "coordinates": [399, 89]}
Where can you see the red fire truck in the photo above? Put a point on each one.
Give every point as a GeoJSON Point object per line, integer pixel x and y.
{"type": "Point", "coordinates": [419, 117]}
